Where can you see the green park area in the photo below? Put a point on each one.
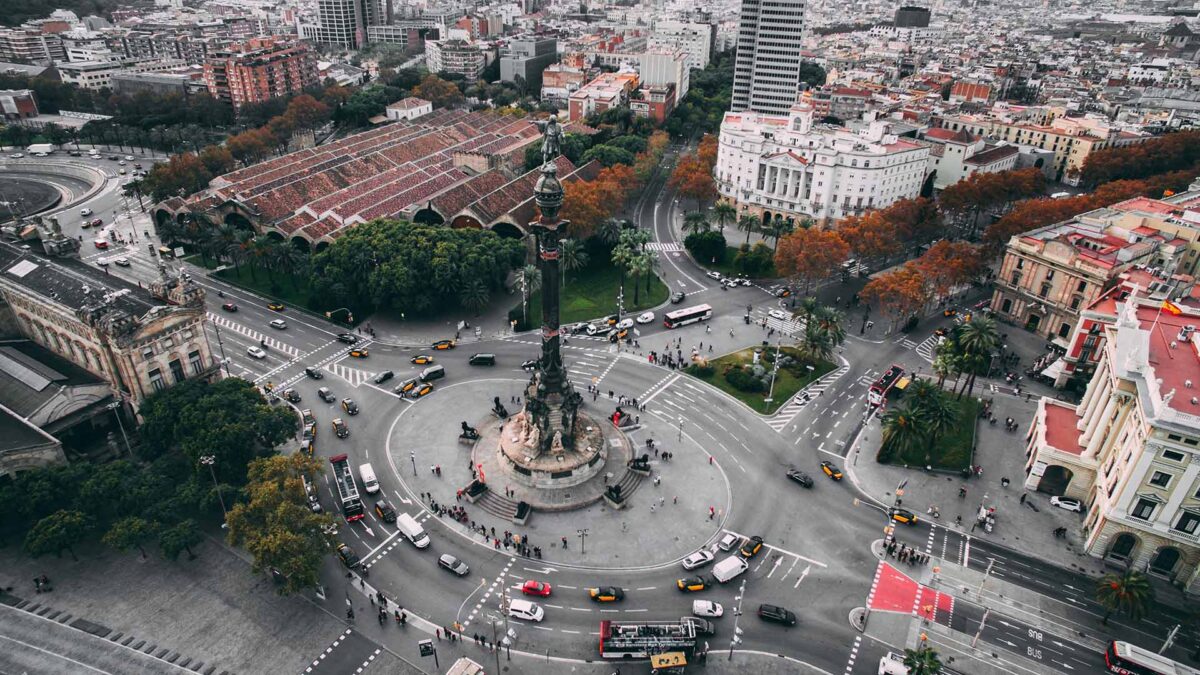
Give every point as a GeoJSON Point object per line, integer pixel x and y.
{"type": "Point", "coordinates": [735, 374]}
{"type": "Point", "coordinates": [591, 292]}
{"type": "Point", "coordinates": [731, 266]}
{"type": "Point", "coordinates": [951, 451]}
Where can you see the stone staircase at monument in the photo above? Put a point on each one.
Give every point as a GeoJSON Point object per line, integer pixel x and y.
{"type": "Point", "coordinates": [629, 482]}
{"type": "Point", "coordinates": [501, 507]}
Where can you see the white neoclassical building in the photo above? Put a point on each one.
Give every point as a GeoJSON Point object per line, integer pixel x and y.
{"type": "Point", "coordinates": [789, 166]}
{"type": "Point", "coordinates": [1131, 449]}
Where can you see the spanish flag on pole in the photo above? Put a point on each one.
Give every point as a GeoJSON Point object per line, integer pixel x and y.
{"type": "Point", "coordinates": [1171, 308]}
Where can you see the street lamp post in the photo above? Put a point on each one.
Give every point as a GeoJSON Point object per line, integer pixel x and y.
{"type": "Point", "coordinates": [209, 460]}
{"type": "Point", "coordinates": [680, 439]}
{"type": "Point", "coordinates": [221, 346]}
{"type": "Point", "coordinates": [115, 406]}
{"type": "Point", "coordinates": [412, 454]}
{"type": "Point", "coordinates": [737, 613]}
{"type": "Point", "coordinates": [495, 642]}
{"type": "Point", "coordinates": [582, 539]}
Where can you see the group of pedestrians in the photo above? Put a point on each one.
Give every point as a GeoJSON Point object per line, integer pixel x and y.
{"type": "Point", "coordinates": [906, 554]}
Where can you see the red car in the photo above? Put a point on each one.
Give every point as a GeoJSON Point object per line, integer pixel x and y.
{"type": "Point", "coordinates": [539, 588]}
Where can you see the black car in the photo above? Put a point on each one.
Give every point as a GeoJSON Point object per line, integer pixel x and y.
{"type": "Point", "coordinates": [529, 365]}
{"type": "Point", "coordinates": [800, 477]}
{"type": "Point", "coordinates": [348, 557]}
{"type": "Point", "coordinates": [313, 373]}
{"type": "Point", "coordinates": [292, 396]}
{"type": "Point", "coordinates": [776, 614]}
{"type": "Point", "coordinates": [325, 395]}
{"type": "Point", "coordinates": [348, 338]}
{"type": "Point", "coordinates": [383, 377]}
{"type": "Point", "coordinates": [677, 297]}
{"type": "Point", "coordinates": [751, 547]}
{"type": "Point", "coordinates": [703, 626]}
{"type": "Point", "coordinates": [385, 511]}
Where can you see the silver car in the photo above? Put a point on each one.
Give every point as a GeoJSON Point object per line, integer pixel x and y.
{"type": "Point", "coordinates": [698, 559]}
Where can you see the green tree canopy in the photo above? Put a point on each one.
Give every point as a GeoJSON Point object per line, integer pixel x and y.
{"type": "Point", "coordinates": [413, 268]}
{"type": "Point", "coordinates": [275, 525]}
{"type": "Point", "coordinates": [228, 420]}
{"type": "Point", "coordinates": [58, 531]}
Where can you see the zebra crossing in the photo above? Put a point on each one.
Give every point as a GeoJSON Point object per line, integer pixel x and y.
{"type": "Point", "coordinates": [254, 335]}
{"type": "Point", "coordinates": [664, 246]}
{"type": "Point", "coordinates": [905, 342]}
{"type": "Point", "coordinates": [928, 345]}
{"type": "Point", "coordinates": [352, 375]}
{"type": "Point", "coordinates": [802, 398]}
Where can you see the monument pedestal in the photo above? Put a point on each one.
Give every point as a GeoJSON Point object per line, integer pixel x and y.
{"type": "Point", "coordinates": [559, 466]}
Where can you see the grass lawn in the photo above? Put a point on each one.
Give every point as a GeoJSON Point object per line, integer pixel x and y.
{"type": "Point", "coordinates": [726, 267]}
{"type": "Point", "coordinates": [952, 452]}
{"type": "Point", "coordinates": [591, 293]}
{"type": "Point", "coordinates": [787, 383]}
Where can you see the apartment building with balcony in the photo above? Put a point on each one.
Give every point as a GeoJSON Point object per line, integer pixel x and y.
{"type": "Point", "coordinates": [457, 56]}
{"type": "Point", "coordinates": [259, 70]}
{"type": "Point", "coordinates": [1130, 450]}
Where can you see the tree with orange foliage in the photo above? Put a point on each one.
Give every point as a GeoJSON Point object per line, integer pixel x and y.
{"type": "Point", "coordinates": [898, 294]}
{"type": "Point", "coordinates": [869, 235]}
{"type": "Point", "coordinates": [810, 254]}
{"type": "Point", "coordinates": [649, 159]}
{"type": "Point", "coordinates": [1034, 213]}
{"type": "Point", "coordinates": [693, 178]}
{"type": "Point", "coordinates": [584, 204]}
{"type": "Point", "coordinates": [948, 264]}
{"type": "Point", "coordinates": [707, 151]}
{"type": "Point", "coordinates": [439, 92]}
{"type": "Point", "coordinates": [306, 112]}
{"type": "Point", "coordinates": [913, 220]}
{"type": "Point", "coordinates": [250, 146]}
{"type": "Point", "coordinates": [980, 193]}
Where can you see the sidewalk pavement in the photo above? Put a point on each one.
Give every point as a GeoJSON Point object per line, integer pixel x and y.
{"type": "Point", "coordinates": [1001, 454]}
{"type": "Point", "coordinates": [397, 329]}
{"type": "Point", "coordinates": [210, 609]}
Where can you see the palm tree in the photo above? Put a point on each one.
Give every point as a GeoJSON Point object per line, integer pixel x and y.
{"type": "Point", "coordinates": [573, 257]}
{"type": "Point", "coordinates": [609, 232]}
{"type": "Point", "coordinates": [779, 227]}
{"type": "Point", "coordinates": [808, 307]}
{"type": "Point", "coordinates": [1129, 592]}
{"type": "Point", "coordinates": [939, 414]}
{"type": "Point", "coordinates": [977, 339]}
{"type": "Point", "coordinates": [750, 223]}
{"type": "Point", "coordinates": [290, 261]}
{"type": "Point", "coordinates": [829, 321]}
{"type": "Point", "coordinates": [530, 279]}
{"type": "Point", "coordinates": [902, 431]}
{"type": "Point", "coordinates": [724, 213]}
{"type": "Point", "coordinates": [920, 394]}
{"type": "Point", "coordinates": [474, 295]}
{"type": "Point", "coordinates": [641, 263]}
{"type": "Point", "coordinates": [943, 366]}
{"type": "Point", "coordinates": [815, 344]}
{"type": "Point", "coordinates": [696, 222]}
{"type": "Point", "coordinates": [260, 253]}
{"type": "Point", "coordinates": [923, 660]}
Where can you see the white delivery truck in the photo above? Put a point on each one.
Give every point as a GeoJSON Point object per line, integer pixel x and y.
{"type": "Point", "coordinates": [369, 481]}
{"type": "Point", "coordinates": [729, 568]}
{"type": "Point", "coordinates": [412, 530]}
{"type": "Point", "coordinates": [41, 149]}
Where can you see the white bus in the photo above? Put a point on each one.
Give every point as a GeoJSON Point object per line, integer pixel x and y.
{"type": "Point", "coordinates": [682, 317]}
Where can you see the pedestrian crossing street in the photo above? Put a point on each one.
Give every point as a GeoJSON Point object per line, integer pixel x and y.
{"type": "Point", "coordinates": [787, 413]}
{"type": "Point", "coordinates": [254, 335]}
{"type": "Point", "coordinates": [666, 247]}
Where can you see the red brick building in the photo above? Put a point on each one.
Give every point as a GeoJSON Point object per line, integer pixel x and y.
{"type": "Point", "coordinates": [260, 69]}
{"type": "Point", "coordinates": [655, 102]}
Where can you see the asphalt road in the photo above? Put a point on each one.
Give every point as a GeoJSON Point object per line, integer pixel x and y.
{"type": "Point", "coordinates": [816, 561]}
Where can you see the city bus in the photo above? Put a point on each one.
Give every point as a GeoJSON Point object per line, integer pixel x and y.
{"type": "Point", "coordinates": [1126, 659]}
{"type": "Point", "coordinates": [343, 477]}
{"type": "Point", "coordinates": [682, 317]}
{"type": "Point", "coordinates": [642, 639]}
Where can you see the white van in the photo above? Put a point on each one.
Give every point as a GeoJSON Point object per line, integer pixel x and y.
{"type": "Point", "coordinates": [369, 481]}
{"type": "Point", "coordinates": [892, 664]}
{"type": "Point", "coordinates": [729, 568]}
{"type": "Point", "coordinates": [524, 609]}
{"type": "Point", "coordinates": [412, 530]}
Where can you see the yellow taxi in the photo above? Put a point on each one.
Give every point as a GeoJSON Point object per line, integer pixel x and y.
{"type": "Point", "coordinates": [407, 386]}
{"type": "Point", "coordinates": [339, 428]}
{"type": "Point", "coordinates": [830, 469]}
{"type": "Point", "coordinates": [275, 306]}
{"type": "Point", "coordinates": [421, 360]}
{"type": "Point", "coordinates": [606, 594]}
{"type": "Point", "coordinates": [442, 345]}
{"type": "Point", "coordinates": [359, 353]}
{"type": "Point", "coordinates": [904, 516]}
{"type": "Point", "coordinates": [692, 584]}
{"type": "Point", "coordinates": [422, 390]}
